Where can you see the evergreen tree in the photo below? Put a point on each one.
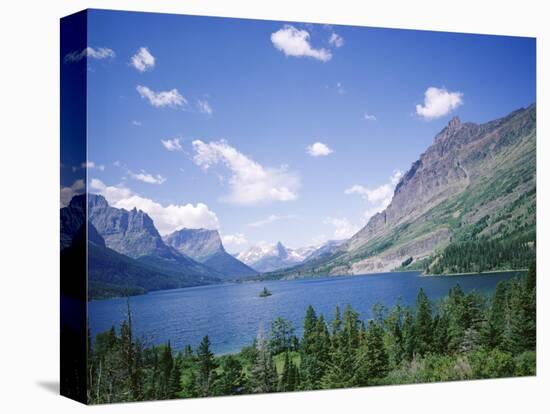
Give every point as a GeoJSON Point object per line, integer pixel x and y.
{"type": "Point", "coordinates": [409, 335]}
{"type": "Point", "coordinates": [282, 332]}
{"type": "Point", "coordinates": [423, 324]}
{"type": "Point", "coordinates": [174, 385]}
{"type": "Point", "coordinates": [207, 365]}
{"type": "Point", "coordinates": [493, 330]}
{"type": "Point", "coordinates": [373, 361]}
{"type": "Point", "coordinates": [394, 337]}
{"type": "Point", "coordinates": [263, 375]}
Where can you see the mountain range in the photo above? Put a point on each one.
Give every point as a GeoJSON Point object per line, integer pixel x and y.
{"type": "Point", "coordinates": [467, 204]}
{"type": "Point", "coordinates": [470, 195]}
{"type": "Point", "coordinates": [270, 257]}
{"type": "Point", "coordinates": [127, 255]}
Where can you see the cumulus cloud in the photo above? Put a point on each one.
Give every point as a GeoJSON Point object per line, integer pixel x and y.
{"type": "Point", "coordinates": [318, 149]}
{"type": "Point", "coordinates": [295, 42]}
{"type": "Point", "coordinates": [167, 218]}
{"type": "Point", "coordinates": [250, 183]}
{"type": "Point", "coordinates": [370, 117]}
{"type": "Point", "coordinates": [89, 165]}
{"type": "Point", "coordinates": [147, 178]}
{"type": "Point", "coordinates": [379, 197]}
{"type": "Point", "coordinates": [270, 219]}
{"type": "Point", "coordinates": [143, 60]}
{"type": "Point", "coordinates": [343, 228]}
{"type": "Point", "coordinates": [204, 107]}
{"type": "Point", "coordinates": [91, 53]}
{"type": "Point", "coordinates": [234, 242]}
{"type": "Point", "coordinates": [171, 98]}
{"type": "Point", "coordinates": [172, 144]}
{"type": "Point", "coordinates": [438, 102]}
{"type": "Point", "coordinates": [67, 193]}
{"type": "Point", "coordinates": [336, 40]}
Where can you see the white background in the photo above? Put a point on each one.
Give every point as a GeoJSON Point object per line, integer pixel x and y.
{"type": "Point", "coordinates": [29, 185]}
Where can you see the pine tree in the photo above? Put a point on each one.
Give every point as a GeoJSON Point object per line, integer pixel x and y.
{"type": "Point", "coordinates": [166, 364]}
{"type": "Point", "coordinates": [395, 336]}
{"type": "Point", "coordinates": [493, 330]}
{"type": "Point", "coordinates": [206, 374]}
{"type": "Point", "coordinates": [423, 324]}
{"type": "Point", "coordinates": [409, 335]}
{"type": "Point", "coordinates": [174, 385]}
{"type": "Point", "coordinates": [373, 362]}
{"type": "Point", "coordinates": [282, 332]}
{"type": "Point", "coordinates": [264, 375]}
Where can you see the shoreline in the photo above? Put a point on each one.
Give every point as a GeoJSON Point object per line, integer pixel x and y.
{"type": "Point", "coordinates": [487, 272]}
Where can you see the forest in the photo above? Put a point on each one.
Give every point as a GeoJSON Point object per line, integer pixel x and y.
{"type": "Point", "coordinates": [462, 336]}
{"type": "Point", "coordinates": [482, 255]}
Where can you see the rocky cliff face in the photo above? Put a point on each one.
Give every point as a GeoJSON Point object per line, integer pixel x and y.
{"type": "Point", "coordinates": [198, 244]}
{"type": "Point", "coordinates": [131, 233]}
{"type": "Point", "coordinates": [206, 247]}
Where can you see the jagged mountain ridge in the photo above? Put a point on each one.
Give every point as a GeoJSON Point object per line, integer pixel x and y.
{"type": "Point", "coordinates": [475, 180]}
{"type": "Point", "coordinates": [206, 247]}
{"type": "Point", "coordinates": [133, 234]}
{"type": "Point", "coordinates": [271, 257]}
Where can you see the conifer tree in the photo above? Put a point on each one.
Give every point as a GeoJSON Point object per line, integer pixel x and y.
{"type": "Point", "coordinates": [423, 324]}
{"type": "Point", "coordinates": [373, 362]}
{"type": "Point", "coordinates": [263, 375]}
{"type": "Point", "coordinates": [206, 374]}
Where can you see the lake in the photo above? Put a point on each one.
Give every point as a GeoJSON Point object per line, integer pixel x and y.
{"type": "Point", "coordinates": [230, 314]}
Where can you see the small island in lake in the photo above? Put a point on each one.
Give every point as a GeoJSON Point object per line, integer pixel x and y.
{"type": "Point", "coordinates": [265, 293]}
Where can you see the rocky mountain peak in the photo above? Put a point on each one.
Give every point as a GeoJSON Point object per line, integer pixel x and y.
{"type": "Point", "coordinates": [281, 250]}
{"type": "Point", "coordinates": [196, 243]}
{"type": "Point", "coordinates": [454, 123]}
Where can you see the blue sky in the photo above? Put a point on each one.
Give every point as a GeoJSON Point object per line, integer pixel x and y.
{"type": "Point", "coordinates": [277, 130]}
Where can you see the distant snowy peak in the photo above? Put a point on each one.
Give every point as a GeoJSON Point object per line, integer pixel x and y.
{"type": "Point", "coordinates": [270, 257]}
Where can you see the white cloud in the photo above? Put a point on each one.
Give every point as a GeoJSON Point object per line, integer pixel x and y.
{"type": "Point", "coordinates": [136, 123]}
{"type": "Point", "coordinates": [250, 182]}
{"type": "Point", "coordinates": [204, 107]}
{"type": "Point", "coordinates": [438, 102]}
{"type": "Point", "coordinates": [67, 193]}
{"type": "Point", "coordinates": [172, 144]}
{"type": "Point", "coordinates": [167, 218]}
{"type": "Point", "coordinates": [233, 242]}
{"type": "Point", "coordinates": [318, 149]}
{"type": "Point", "coordinates": [143, 60]}
{"type": "Point", "coordinates": [370, 117]}
{"type": "Point", "coordinates": [336, 40]}
{"type": "Point", "coordinates": [89, 165]}
{"type": "Point", "coordinates": [379, 197]}
{"type": "Point", "coordinates": [295, 42]}
{"type": "Point", "coordinates": [339, 88]}
{"type": "Point", "coordinates": [270, 219]}
{"type": "Point", "coordinates": [147, 178]}
{"type": "Point", "coordinates": [343, 228]}
{"type": "Point", "coordinates": [171, 98]}
{"type": "Point", "coordinates": [90, 52]}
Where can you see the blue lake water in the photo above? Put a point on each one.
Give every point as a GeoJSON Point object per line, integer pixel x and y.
{"type": "Point", "coordinates": [230, 314]}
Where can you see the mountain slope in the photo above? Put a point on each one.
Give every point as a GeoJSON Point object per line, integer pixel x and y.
{"type": "Point", "coordinates": [475, 183]}
{"type": "Point", "coordinates": [113, 274]}
{"type": "Point", "coordinates": [205, 246]}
